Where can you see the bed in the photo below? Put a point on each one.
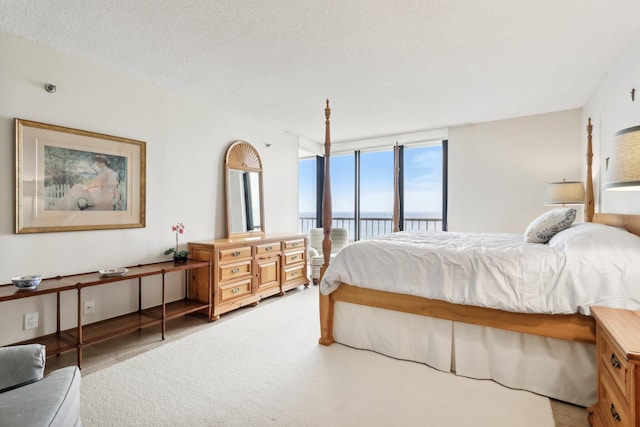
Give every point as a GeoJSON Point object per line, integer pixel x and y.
{"type": "Point", "coordinates": [534, 344]}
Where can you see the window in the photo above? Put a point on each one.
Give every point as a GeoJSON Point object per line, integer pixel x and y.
{"type": "Point", "coordinates": [306, 194]}
{"type": "Point", "coordinates": [362, 189]}
{"type": "Point", "coordinates": [343, 197]}
{"type": "Point", "coordinates": [423, 187]}
{"type": "Point", "coordinates": [376, 193]}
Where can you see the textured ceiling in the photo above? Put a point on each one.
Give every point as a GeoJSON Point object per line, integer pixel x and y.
{"type": "Point", "coordinates": [388, 66]}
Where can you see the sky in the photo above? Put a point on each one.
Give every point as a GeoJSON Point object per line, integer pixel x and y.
{"type": "Point", "coordinates": [422, 181]}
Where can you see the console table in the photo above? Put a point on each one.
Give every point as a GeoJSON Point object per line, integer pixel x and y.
{"type": "Point", "coordinates": [82, 335]}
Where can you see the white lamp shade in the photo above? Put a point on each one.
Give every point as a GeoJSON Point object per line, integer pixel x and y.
{"type": "Point", "coordinates": [623, 170]}
{"type": "Point", "coordinates": [564, 193]}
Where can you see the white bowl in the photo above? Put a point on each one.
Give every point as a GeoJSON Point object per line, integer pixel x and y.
{"type": "Point", "coordinates": [30, 281]}
{"type": "Point", "coordinates": [111, 272]}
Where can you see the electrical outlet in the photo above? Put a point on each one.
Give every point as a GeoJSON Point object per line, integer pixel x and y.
{"type": "Point", "coordinates": [89, 307]}
{"type": "Point", "coordinates": [31, 320]}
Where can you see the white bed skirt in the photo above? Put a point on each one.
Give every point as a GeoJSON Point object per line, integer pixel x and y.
{"type": "Point", "coordinates": [551, 367]}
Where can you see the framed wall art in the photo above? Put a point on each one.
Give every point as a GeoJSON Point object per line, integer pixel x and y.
{"type": "Point", "coordinates": [71, 180]}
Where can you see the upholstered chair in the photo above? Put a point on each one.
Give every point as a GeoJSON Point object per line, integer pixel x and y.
{"type": "Point", "coordinates": [339, 239]}
{"type": "Point", "coordinates": [29, 398]}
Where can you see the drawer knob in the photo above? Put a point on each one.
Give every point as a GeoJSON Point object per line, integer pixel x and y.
{"type": "Point", "coordinates": [294, 244]}
{"type": "Point", "coordinates": [269, 248]}
{"type": "Point", "coordinates": [295, 257]}
{"type": "Point", "coordinates": [614, 414]}
{"type": "Point", "coordinates": [236, 253]}
{"type": "Point", "coordinates": [615, 362]}
{"type": "Point", "coordinates": [294, 273]}
{"type": "Point", "coordinates": [236, 290]}
{"type": "Point", "coordinates": [235, 270]}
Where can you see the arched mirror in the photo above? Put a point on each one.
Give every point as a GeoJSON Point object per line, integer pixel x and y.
{"type": "Point", "coordinates": [243, 179]}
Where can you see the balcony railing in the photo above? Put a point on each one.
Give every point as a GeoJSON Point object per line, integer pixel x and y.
{"type": "Point", "coordinates": [371, 227]}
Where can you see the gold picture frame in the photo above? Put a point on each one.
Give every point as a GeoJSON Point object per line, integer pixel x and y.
{"type": "Point", "coordinates": [72, 180]}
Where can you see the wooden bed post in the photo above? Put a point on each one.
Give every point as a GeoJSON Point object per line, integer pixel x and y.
{"type": "Point", "coordinates": [589, 207]}
{"type": "Point", "coordinates": [326, 305]}
{"type": "Point", "coordinates": [327, 211]}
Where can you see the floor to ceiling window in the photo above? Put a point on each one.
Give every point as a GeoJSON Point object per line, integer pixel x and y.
{"type": "Point", "coordinates": [343, 196]}
{"type": "Point", "coordinates": [376, 193]}
{"type": "Point", "coordinates": [362, 189]}
{"type": "Point", "coordinates": [307, 183]}
{"type": "Point", "coordinates": [423, 189]}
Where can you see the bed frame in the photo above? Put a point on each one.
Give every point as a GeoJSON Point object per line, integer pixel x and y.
{"type": "Point", "coordinates": [572, 327]}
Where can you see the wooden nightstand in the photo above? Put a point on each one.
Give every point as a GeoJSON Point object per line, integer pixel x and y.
{"type": "Point", "coordinates": [618, 365]}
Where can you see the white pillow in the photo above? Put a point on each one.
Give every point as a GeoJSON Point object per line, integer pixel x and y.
{"type": "Point", "coordinates": [588, 236]}
{"type": "Point", "coordinates": [547, 225]}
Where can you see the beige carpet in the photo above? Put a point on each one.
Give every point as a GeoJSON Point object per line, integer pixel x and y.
{"type": "Point", "coordinates": [265, 368]}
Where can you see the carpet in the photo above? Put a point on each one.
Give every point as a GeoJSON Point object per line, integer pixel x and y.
{"type": "Point", "coordinates": [264, 367]}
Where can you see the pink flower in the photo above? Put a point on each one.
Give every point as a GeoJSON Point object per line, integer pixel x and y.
{"type": "Point", "coordinates": [178, 229]}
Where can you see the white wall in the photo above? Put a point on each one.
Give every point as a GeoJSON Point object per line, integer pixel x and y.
{"type": "Point", "coordinates": [186, 142]}
{"type": "Point", "coordinates": [611, 109]}
{"type": "Point", "coordinates": [498, 170]}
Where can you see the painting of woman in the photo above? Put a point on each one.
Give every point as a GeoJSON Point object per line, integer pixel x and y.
{"type": "Point", "coordinates": [101, 194]}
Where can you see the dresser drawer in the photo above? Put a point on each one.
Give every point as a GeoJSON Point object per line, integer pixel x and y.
{"type": "Point", "coordinates": [234, 270]}
{"type": "Point", "coordinates": [291, 258]}
{"type": "Point", "coordinates": [234, 254]}
{"type": "Point", "coordinates": [234, 290]}
{"type": "Point", "coordinates": [293, 244]}
{"type": "Point", "coordinates": [267, 248]}
{"type": "Point", "coordinates": [614, 407]}
{"type": "Point", "coordinates": [614, 363]}
{"type": "Point", "coordinates": [293, 273]}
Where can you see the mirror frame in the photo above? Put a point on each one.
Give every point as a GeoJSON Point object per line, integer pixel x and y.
{"type": "Point", "coordinates": [243, 156]}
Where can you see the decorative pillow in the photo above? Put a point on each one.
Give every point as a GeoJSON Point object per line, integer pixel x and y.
{"type": "Point", "coordinates": [547, 225]}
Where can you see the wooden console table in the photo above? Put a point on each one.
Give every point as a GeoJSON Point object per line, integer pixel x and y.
{"type": "Point", "coordinates": [82, 335]}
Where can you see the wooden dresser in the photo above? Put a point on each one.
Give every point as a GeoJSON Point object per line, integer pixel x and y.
{"type": "Point", "coordinates": [247, 269]}
{"type": "Point", "coordinates": [618, 366]}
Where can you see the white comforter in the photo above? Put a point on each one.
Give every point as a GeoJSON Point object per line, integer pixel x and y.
{"type": "Point", "coordinates": [587, 264]}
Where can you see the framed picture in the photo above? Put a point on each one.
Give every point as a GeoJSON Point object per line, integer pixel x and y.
{"type": "Point", "coordinates": [71, 180]}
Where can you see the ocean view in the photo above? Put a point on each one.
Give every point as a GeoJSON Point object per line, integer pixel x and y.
{"type": "Point", "coordinates": [366, 215]}
{"type": "Point", "coordinates": [373, 223]}
{"type": "Point", "coordinates": [422, 190]}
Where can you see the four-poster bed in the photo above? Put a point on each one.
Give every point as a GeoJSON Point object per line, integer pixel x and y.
{"type": "Point", "coordinates": [466, 338]}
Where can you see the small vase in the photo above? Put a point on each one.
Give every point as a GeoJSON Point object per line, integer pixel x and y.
{"type": "Point", "coordinates": [179, 259]}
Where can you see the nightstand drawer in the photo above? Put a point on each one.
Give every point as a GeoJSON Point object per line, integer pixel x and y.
{"type": "Point", "coordinates": [614, 408]}
{"type": "Point", "coordinates": [614, 362]}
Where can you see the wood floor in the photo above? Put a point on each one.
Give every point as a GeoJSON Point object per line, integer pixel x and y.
{"type": "Point", "coordinates": [107, 353]}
